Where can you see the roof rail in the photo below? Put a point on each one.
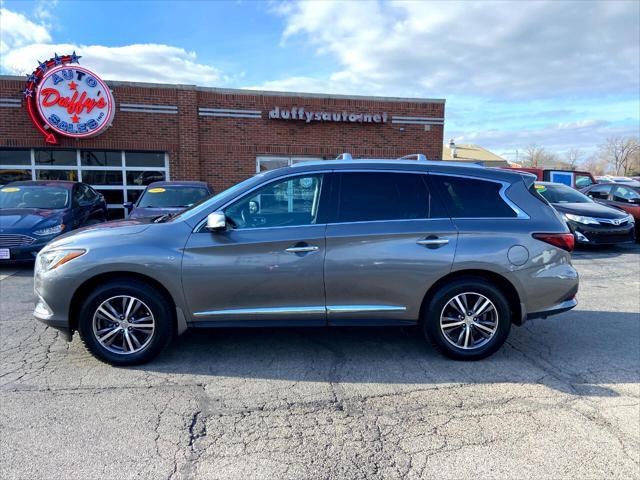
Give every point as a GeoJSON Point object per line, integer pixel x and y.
{"type": "Point", "coordinates": [415, 156]}
{"type": "Point", "coordinates": [344, 156]}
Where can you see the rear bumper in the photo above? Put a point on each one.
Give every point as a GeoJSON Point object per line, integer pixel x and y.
{"type": "Point", "coordinates": [554, 310]}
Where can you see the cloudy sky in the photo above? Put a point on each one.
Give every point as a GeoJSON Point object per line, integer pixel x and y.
{"type": "Point", "coordinates": [560, 74]}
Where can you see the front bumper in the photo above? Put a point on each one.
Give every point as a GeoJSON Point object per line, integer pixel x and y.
{"type": "Point", "coordinates": [601, 235]}
{"type": "Point", "coordinates": [25, 253]}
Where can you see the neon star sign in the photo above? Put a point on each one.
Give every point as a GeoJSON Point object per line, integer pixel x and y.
{"type": "Point", "coordinates": [65, 99]}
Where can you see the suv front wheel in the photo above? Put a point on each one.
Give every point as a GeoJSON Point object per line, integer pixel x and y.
{"type": "Point", "coordinates": [467, 319]}
{"type": "Point", "coordinates": [126, 322]}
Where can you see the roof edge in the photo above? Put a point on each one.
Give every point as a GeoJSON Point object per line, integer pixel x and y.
{"type": "Point", "coordinates": [247, 91]}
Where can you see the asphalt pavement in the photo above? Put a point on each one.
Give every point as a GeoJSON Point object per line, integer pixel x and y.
{"type": "Point", "coordinates": [560, 400]}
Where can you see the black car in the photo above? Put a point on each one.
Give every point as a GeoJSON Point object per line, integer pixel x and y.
{"type": "Point", "coordinates": [618, 195]}
{"type": "Point", "coordinates": [32, 213]}
{"type": "Point", "coordinates": [591, 223]}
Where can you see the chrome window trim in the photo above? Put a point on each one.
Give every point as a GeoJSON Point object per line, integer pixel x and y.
{"type": "Point", "coordinates": [520, 214]}
{"type": "Point", "coordinates": [396, 220]}
{"type": "Point", "coordinates": [303, 310]}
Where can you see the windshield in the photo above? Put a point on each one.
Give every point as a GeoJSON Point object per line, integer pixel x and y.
{"type": "Point", "coordinates": [205, 202]}
{"type": "Point", "coordinates": [561, 194]}
{"type": "Point", "coordinates": [166, 197]}
{"type": "Point", "coordinates": [34, 196]}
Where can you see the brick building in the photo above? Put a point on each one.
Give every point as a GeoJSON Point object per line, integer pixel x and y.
{"type": "Point", "coordinates": [222, 136]}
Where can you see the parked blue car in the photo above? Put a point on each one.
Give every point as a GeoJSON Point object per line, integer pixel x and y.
{"type": "Point", "coordinates": [32, 213]}
{"type": "Point", "coordinates": [161, 198]}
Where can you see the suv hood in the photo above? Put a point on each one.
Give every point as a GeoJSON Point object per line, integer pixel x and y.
{"type": "Point", "coordinates": [26, 220]}
{"type": "Point", "coordinates": [589, 210]}
{"type": "Point", "coordinates": [101, 231]}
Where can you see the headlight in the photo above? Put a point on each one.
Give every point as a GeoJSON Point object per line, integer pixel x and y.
{"type": "Point", "coordinates": [50, 230]}
{"type": "Point", "coordinates": [581, 219]}
{"type": "Point", "coordinates": [54, 258]}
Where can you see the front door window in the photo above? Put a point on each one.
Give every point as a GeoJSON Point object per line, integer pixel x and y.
{"type": "Point", "coordinates": [284, 203]}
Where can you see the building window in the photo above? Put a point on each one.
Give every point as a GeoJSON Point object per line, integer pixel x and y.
{"type": "Point", "coordinates": [145, 159]}
{"type": "Point", "coordinates": [15, 157]}
{"type": "Point", "coordinates": [55, 157]}
{"type": "Point", "coordinates": [100, 158]}
{"type": "Point", "coordinates": [119, 176]}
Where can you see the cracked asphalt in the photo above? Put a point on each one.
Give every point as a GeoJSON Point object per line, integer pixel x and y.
{"type": "Point", "coordinates": [560, 400]}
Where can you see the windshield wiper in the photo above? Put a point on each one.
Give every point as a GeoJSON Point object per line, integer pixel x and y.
{"type": "Point", "coordinates": [163, 218]}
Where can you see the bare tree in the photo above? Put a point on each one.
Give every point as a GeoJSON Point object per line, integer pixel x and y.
{"type": "Point", "coordinates": [618, 152]}
{"type": "Point", "coordinates": [534, 156]}
{"type": "Point", "coordinates": [573, 157]}
{"type": "Point", "coordinates": [595, 165]}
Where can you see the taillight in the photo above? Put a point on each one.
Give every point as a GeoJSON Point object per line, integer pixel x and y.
{"type": "Point", "coordinates": [565, 241]}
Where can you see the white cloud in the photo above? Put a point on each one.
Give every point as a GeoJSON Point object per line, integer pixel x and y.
{"type": "Point", "coordinates": [16, 30]}
{"type": "Point", "coordinates": [586, 134]}
{"type": "Point", "coordinates": [508, 49]}
{"type": "Point", "coordinates": [23, 42]}
{"type": "Point", "coordinates": [139, 62]}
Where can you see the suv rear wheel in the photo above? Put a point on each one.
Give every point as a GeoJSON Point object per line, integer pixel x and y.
{"type": "Point", "coordinates": [125, 322]}
{"type": "Point", "coordinates": [467, 319]}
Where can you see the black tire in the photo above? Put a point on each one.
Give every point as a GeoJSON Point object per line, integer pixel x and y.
{"type": "Point", "coordinates": [157, 304]}
{"type": "Point", "coordinates": [431, 318]}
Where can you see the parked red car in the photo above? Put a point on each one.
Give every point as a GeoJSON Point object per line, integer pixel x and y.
{"type": "Point", "coordinates": [574, 178]}
{"type": "Point", "coordinates": [619, 195]}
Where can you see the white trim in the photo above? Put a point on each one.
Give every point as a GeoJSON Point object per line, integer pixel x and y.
{"type": "Point", "coordinates": [399, 117]}
{"type": "Point", "coordinates": [10, 102]}
{"type": "Point", "coordinates": [416, 122]}
{"type": "Point", "coordinates": [135, 110]}
{"type": "Point", "coordinates": [150, 106]}
{"type": "Point", "coordinates": [229, 115]}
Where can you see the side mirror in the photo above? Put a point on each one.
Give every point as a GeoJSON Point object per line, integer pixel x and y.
{"type": "Point", "coordinates": [128, 206]}
{"type": "Point", "coordinates": [216, 221]}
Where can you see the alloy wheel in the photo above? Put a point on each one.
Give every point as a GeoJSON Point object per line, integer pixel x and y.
{"type": "Point", "coordinates": [469, 320]}
{"type": "Point", "coordinates": [123, 324]}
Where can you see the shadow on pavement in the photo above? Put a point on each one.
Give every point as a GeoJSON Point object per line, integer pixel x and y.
{"type": "Point", "coordinates": [578, 352]}
{"type": "Point", "coordinates": [23, 269]}
{"type": "Point", "coordinates": [604, 251]}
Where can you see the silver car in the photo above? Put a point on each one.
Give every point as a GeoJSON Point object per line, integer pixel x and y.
{"type": "Point", "coordinates": [462, 252]}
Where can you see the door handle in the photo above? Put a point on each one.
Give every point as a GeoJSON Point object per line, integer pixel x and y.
{"type": "Point", "coordinates": [302, 249]}
{"type": "Point", "coordinates": [433, 242]}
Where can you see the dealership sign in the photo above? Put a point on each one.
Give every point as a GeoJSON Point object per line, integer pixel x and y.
{"type": "Point", "coordinates": [67, 99]}
{"type": "Point", "coordinates": [308, 116]}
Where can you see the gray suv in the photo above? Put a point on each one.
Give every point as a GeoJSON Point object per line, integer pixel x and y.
{"type": "Point", "coordinates": [460, 251]}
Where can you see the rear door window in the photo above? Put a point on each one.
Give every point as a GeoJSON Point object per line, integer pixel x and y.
{"type": "Point", "coordinates": [375, 196]}
{"type": "Point", "coordinates": [472, 197]}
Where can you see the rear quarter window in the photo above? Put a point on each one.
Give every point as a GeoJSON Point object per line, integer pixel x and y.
{"type": "Point", "coordinates": [472, 198]}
